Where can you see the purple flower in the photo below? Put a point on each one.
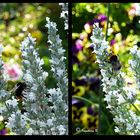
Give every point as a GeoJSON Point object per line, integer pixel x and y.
{"type": "Point", "coordinates": [102, 17]}
{"type": "Point", "coordinates": [79, 104]}
{"type": "Point", "coordinates": [74, 49]}
{"type": "Point", "coordinates": [95, 20]}
{"type": "Point", "coordinates": [77, 47]}
{"type": "Point", "coordinates": [74, 101]}
{"type": "Point", "coordinates": [3, 132]}
{"type": "Point", "coordinates": [112, 42]}
{"type": "Point", "coordinates": [81, 82]}
{"type": "Point", "coordinates": [93, 80]}
{"type": "Point", "coordinates": [79, 44]}
{"type": "Point", "coordinates": [94, 83]}
{"type": "Point", "coordinates": [90, 111]}
{"type": "Point", "coordinates": [99, 19]}
{"type": "Point", "coordinates": [89, 23]}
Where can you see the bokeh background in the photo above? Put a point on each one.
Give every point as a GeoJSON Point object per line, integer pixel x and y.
{"type": "Point", "coordinates": [123, 33]}
{"type": "Point", "coordinates": [16, 21]}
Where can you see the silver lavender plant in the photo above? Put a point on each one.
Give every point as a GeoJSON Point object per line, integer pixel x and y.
{"type": "Point", "coordinates": [4, 95]}
{"type": "Point", "coordinates": [9, 105]}
{"type": "Point", "coordinates": [60, 94]}
{"type": "Point", "coordinates": [64, 14]}
{"type": "Point", "coordinates": [119, 97]}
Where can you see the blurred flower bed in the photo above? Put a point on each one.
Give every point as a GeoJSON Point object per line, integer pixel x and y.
{"type": "Point", "coordinates": [16, 21]}
{"type": "Point", "coordinates": [123, 33]}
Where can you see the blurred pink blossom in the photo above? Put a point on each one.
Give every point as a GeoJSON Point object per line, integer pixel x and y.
{"type": "Point", "coordinates": [132, 10]}
{"type": "Point", "coordinates": [14, 72]}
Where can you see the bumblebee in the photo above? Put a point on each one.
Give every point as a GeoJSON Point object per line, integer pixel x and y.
{"type": "Point", "coordinates": [21, 86]}
{"type": "Point", "coordinates": [23, 111]}
{"type": "Point", "coordinates": [116, 65]}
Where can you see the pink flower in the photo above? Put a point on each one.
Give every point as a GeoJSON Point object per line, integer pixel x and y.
{"type": "Point", "coordinates": [13, 71]}
{"type": "Point", "coordinates": [132, 9]}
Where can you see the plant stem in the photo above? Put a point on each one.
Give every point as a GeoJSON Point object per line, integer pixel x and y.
{"type": "Point", "coordinates": [100, 110]}
{"type": "Point", "coordinates": [83, 99]}
{"type": "Point", "coordinates": [136, 108]}
{"type": "Point", "coordinates": [108, 6]}
{"type": "Point", "coordinates": [100, 89]}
